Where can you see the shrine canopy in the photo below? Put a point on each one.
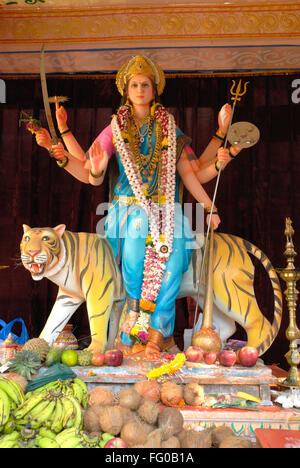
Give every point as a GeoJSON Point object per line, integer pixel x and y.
{"type": "Point", "coordinates": [97, 36]}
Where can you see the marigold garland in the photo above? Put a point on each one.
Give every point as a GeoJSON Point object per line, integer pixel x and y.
{"type": "Point", "coordinates": [169, 368]}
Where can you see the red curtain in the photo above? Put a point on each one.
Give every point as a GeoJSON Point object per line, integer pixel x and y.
{"type": "Point", "coordinates": [256, 192]}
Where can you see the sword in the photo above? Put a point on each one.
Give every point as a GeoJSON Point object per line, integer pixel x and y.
{"type": "Point", "coordinates": [54, 137]}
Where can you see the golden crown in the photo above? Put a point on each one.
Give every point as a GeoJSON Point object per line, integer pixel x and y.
{"type": "Point", "coordinates": [140, 65]}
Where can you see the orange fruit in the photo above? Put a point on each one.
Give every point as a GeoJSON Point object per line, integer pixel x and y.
{"type": "Point", "coordinates": [69, 357]}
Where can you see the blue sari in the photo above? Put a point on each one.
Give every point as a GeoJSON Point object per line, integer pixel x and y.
{"type": "Point", "coordinates": [127, 228]}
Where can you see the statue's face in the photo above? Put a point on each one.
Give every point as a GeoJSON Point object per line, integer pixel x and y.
{"type": "Point", "coordinates": [140, 90]}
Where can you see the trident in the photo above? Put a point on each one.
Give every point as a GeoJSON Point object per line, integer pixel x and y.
{"type": "Point", "coordinates": [236, 96]}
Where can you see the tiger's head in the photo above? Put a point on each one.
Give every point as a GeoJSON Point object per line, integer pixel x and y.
{"type": "Point", "coordinates": [42, 252]}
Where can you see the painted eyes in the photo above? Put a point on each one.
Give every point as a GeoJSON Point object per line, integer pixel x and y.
{"type": "Point", "coordinates": [44, 238]}
{"type": "Point", "coordinates": [144, 85]}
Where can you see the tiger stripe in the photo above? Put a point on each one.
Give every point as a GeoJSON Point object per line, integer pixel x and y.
{"type": "Point", "coordinates": [234, 293]}
{"type": "Point", "coordinates": [83, 267]}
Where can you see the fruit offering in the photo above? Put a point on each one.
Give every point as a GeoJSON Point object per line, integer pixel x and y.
{"type": "Point", "coordinates": [11, 396]}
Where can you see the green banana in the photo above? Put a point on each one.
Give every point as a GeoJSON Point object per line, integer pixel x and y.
{"type": "Point", "coordinates": [48, 414]}
{"type": "Point", "coordinates": [46, 442]}
{"type": "Point", "coordinates": [8, 444]}
{"type": "Point", "coordinates": [65, 434]}
{"type": "Point", "coordinates": [85, 396]}
{"type": "Point", "coordinates": [78, 419]}
{"type": "Point", "coordinates": [69, 411]}
{"type": "Point", "coordinates": [44, 432]}
{"type": "Point", "coordinates": [40, 411]}
{"type": "Point", "coordinates": [30, 443]}
{"type": "Point", "coordinates": [28, 405]}
{"type": "Point", "coordinates": [71, 442]}
{"type": "Point", "coordinates": [89, 441]}
{"type": "Point", "coordinates": [5, 408]}
{"type": "Point", "coordinates": [77, 391]}
{"type": "Point", "coordinates": [9, 426]}
{"type": "Point", "coordinates": [57, 420]}
{"type": "Point", "coordinates": [13, 390]}
{"type": "Point", "coordinates": [19, 390]}
{"type": "Point", "coordinates": [12, 436]}
{"type": "Point", "coordinates": [81, 383]}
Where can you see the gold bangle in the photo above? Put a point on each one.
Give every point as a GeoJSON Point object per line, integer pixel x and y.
{"type": "Point", "coordinates": [209, 207]}
{"type": "Point", "coordinates": [216, 166]}
{"type": "Point", "coordinates": [231, 154]}
{"type": "Point", "coordinates": [65, 132]}
{"type": "Point", "coordinates": [96, 176]}
{"type": "Point", "coordinates": [220, 134]}
{"type": "Point", "coordinates": [63, 163]}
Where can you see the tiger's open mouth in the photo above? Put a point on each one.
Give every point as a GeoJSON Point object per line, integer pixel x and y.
{"type": "Point", "coordinates": [36, 269]}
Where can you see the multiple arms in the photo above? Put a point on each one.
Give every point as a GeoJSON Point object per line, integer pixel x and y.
{"type": "Point", "coordinates": [192, 170]}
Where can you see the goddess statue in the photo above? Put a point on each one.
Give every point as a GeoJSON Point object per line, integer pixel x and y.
{"type": "Point", "coordinates": [148, 233]}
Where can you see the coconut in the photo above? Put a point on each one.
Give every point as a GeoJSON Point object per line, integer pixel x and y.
{"type": "Point", "coordinates": [148, 428]}
{"type": "Point", "coordinates": [219, 433]}
{"type": "Point", "coordinates": [91, 420]}
{"type": "Point", "coordinates": [148, 389]}
{"type": "Point", "coordinates": [17, 378]}
{"type": "Point", "coordinates": [128, 415]}
{"type": "Point", "coordinates": [111, 420]}
{"type": "Point", "coordinates": [171, 394]}
{"type": "Point", "coordinates": [193, 394]}
{"type": "Point", "coordinates": [133, 434]}
{"type": "Point", "coordinates": [148, 411]}
{"type": "Point", "coordinates": [235, 442]}
{"type": "Point", "coordinates": [172, 442]}
{"type": "Point", "coordinates": [170, 421]}
{"type": "Point", "coordinates": [101, 396]}
{"type": "Point", "coordinates": [195, 439]}
{"type": "Point", "coordinates": [129, 398]}
{"type": "Point", "coordinates": [154, 439]}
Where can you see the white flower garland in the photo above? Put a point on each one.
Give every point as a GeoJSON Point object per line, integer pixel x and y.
{"type": "Point", "coordinates": [162, 231]}
{"type": "Point", "coordinates": [160, 216]}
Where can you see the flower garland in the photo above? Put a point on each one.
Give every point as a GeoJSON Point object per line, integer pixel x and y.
{"type": "Point", "coordinates": [170, 368]}
{"type": "Point", "coordinates": [161, 216]}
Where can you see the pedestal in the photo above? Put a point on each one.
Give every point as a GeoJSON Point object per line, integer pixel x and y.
{"type": "Point", "coordinates": [214, 378]}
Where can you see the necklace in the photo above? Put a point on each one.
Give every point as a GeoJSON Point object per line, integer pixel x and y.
{"type": "Point", "coordinates": [159, 242]}
{"type": "Point", "coordinates": [139, 125]}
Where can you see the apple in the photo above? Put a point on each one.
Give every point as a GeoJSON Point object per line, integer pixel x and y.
{"type": "Point", "coordinates": [210, 357]}
{"type": "Point", "coordinates": [116, 442]}
{"type": "Point", "coordinates": [113, 357]}
{"type": "Point", "coordinates": [248, 356]}
{"type": "Point", "coordinates": [194, 354]}
{"type": "Point", "coordinates": [227, 357]}
{"type": "Point", "coordinates": [97, 359]}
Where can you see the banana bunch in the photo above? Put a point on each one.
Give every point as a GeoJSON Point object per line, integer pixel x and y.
{"type": "Point", "coordinates": [29, 438]}
{"type": "Point", "coordinates": [49, 409]}
{"type": "Point", "coordinates": [74, 438]}
{"type": "Point", "coordinates": [70, 387]}
{"type": "Point", "coordinates": [11, 396]}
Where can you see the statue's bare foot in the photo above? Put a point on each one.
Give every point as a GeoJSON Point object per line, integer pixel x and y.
{"type": "Point", "coordinates": [129, 322]}
{"type": "Point", "coordinates": [152, 352]}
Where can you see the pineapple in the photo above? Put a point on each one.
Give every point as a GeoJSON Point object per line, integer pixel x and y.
{"type": "Point", "coordinates": [39, 345]}
{"type": "Point", "coordinates": [25, 363]}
